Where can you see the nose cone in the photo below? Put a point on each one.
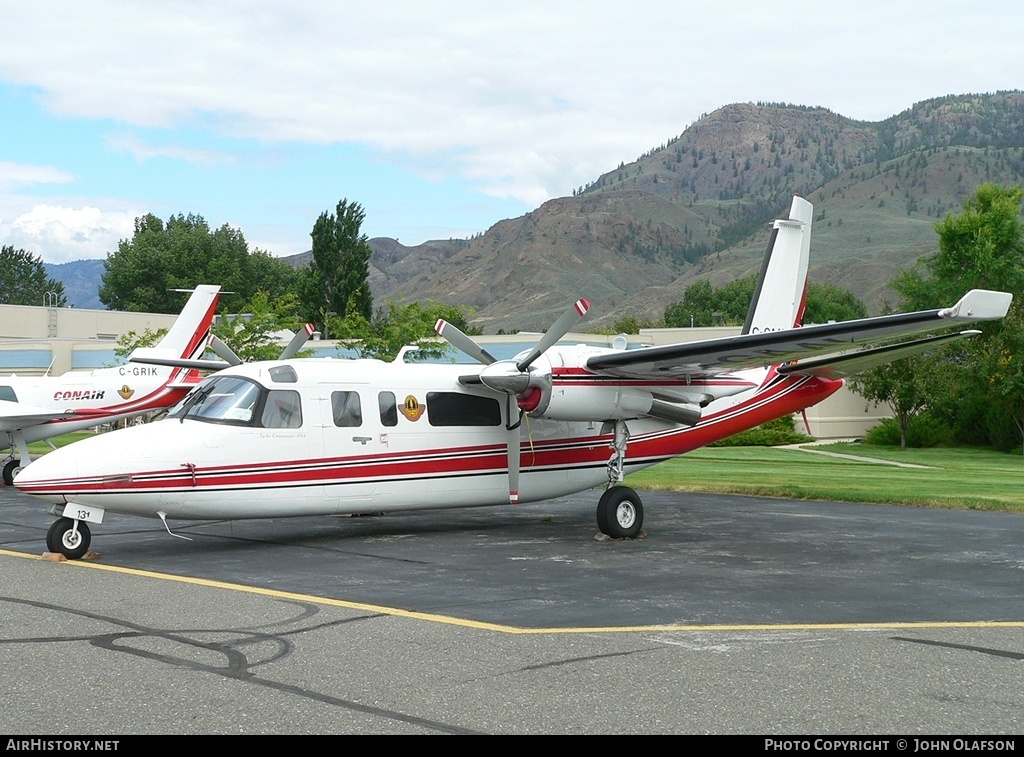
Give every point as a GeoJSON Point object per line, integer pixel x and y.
{"type": "Point", "coordinates": [50, 473]}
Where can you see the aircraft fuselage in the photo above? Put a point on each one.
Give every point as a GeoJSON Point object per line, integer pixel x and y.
{"type": "Point", "coordinates": [366, 436]}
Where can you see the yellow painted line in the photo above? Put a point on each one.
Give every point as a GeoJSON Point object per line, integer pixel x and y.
{"type": "Point", "coordinates": [448, 620]}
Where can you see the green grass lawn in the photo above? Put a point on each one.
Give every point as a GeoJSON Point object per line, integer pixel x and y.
{"type": "Point", "coordinates": [966, 478]}
{"type": "Point", "coordinates": [41, 448]}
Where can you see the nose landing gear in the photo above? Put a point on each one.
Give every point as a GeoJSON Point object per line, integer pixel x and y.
{"type": "Point", "coordinates": [69, 537]}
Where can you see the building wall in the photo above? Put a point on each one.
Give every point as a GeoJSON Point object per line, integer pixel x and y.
{"type": "Point", "coordinates": [34, 340]}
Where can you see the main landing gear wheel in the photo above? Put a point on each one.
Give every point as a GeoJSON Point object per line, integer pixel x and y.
{"type": "Point", "coordinates": [63, 537]}
{"type": "Point", "coordinates": [11, 470]}
{"type": "Point", "coordinates": [620, 514]}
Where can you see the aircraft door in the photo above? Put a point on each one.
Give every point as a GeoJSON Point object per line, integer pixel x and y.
{"type": "Point", "coordinates": [351, 440]}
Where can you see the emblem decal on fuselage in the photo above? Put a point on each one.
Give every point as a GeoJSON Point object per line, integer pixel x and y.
{"type": "Point", "coordinates": [126, 392]}
{"type": "Point", "coordinates": [412, 409]}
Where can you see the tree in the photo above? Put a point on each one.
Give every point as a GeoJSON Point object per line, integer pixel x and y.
{"type": "Point", "coordinates": [626, 324]}
{"type": "Point", "coordinates": [899, 385]}
{"type": "Point", "coordinates": [252, 335]}
{"type": "Point", "coordinates": [828, 302]}
{"type": "Point", "coordinates": [128, 342]}
{"type": "Point", "coordinates": [693, 308]}
{"type": "Point", "coordinates": [981, 248]}
{"type": "Point", "coordinates": [975, 384]}
{"type": "Point", "coordinates": [23, 280]}
{"type": "Point", "coordinates": [1003, 358]}
{"type": "Point", "coordinates": [825, 302]}
{"type": "Point", "coordinates": [336, 284]}
{"type": "Point", "coordinates": [398, 325]}
{"type": "Point", "coordinates": [160, 258]}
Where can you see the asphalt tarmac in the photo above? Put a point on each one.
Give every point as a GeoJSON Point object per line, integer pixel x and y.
{"type": "Point", "coordinates": [732, 615]}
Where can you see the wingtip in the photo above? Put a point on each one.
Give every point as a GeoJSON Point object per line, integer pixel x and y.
{"type": "Point", "coordinates": [980, 305]}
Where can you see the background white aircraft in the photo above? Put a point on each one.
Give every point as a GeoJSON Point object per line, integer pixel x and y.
{"type": "Point", "coordinates": [321, 436]}
{"type": "Point", "coordinates": [42, 407]}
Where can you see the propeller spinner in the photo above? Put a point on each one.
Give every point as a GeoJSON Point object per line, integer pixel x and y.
{"type": "Point", "coordinates": [513, 378]}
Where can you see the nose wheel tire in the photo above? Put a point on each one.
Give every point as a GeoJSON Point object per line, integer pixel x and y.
{"type": "Point", "coordinates": [620, 514]}
{"type": "Point", "coordinates": [64, 538]}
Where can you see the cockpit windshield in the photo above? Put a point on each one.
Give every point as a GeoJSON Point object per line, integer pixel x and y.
{"type": "Point", "coordinates": [240, 402]}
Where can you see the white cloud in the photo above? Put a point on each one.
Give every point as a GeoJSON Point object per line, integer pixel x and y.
{"type": "Point", "coordinates": [142, 150]}
{"type": "Point", "coordinates": [15, 175]}
{"type": "Point", "coordinates": [524, 100]}
{"type": "Point", "coordinates": [60, 234]}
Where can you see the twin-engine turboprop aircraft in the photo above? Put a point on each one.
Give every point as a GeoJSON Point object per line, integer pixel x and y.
{"type": "Point", "coordinates": [322, 436]}
{"type": "Point", "coordinates": [42, 407]}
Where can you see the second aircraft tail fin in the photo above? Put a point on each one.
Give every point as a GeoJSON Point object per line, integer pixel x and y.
{"type": "Point", "coordinates": [187, 337]}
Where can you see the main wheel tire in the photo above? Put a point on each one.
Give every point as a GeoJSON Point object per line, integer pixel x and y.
{"type": "Point", "coordinates": [620, 513]}
{"type": "Point", "coordinates": [11, 470]}
{"type": "Point", "coordinates": [64, 538]}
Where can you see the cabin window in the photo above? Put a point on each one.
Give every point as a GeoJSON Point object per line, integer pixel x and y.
{"type": "Point", "coordinates": [388, 408]}
{"type": "Point", "coordinates": [283, 374]}
{"type": "Point", "coordinates": [7, 394]}
{"type": "Point", "coordinates": [225, 399]}
{"type": "Point", "coordinates": [346, 409]}
{"type": "Point", "coordinates": [282, 409]}
{"type": "Point", "coordinates": [240, 402]}
{"type": "Point", "coordinates": [456, 409]}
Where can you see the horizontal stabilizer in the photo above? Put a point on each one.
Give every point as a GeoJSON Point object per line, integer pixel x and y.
{"type": "Point", "coordinates": [199, 365]}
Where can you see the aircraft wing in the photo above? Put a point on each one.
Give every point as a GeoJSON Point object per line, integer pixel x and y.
{"type": "Point", "coordinates": [14, 415]}
{"type": "Point", "coordinates": [713, 356]}
{"type": "Point", "coordinates": [852, 363]}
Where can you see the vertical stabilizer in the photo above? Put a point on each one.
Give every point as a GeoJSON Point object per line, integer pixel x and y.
{"type": "Point", "coordinates": [779, 295]}
{"type": "Point", "coordinates": [187, 337]}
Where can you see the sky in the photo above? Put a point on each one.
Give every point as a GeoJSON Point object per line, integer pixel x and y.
{"type": "Point", "coordinates": [439, 118]}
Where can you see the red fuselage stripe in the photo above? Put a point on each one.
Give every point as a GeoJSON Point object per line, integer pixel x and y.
{"type": "Point", "coordinates": [778, 397]}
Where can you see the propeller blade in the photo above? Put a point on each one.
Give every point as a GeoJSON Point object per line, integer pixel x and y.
{"type": "Point", "coordinates": [513, 465]}
{"type": "Point", "coordinates": [222, 351]}
{"type": "Point", "coordinates": [300, 338]}
{"type": "Point", "coordinates": [558, 329]}
{"type": "Point", "coordinates": [462, 342]}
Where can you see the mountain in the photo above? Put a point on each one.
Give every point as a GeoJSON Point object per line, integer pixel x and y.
{"type": "Point", "coordinates": [81, 279]}
{"type": "Point", "coordinates": [700, 206]}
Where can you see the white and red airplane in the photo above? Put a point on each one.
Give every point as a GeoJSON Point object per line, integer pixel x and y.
{"type": "Point", "coordinates": [42, 407]}
{"type": "Point", "coordinates": [334, 436]}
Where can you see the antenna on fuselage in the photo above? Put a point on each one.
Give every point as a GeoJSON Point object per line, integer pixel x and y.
{"type": "Point", "coordinates": [163, 517]}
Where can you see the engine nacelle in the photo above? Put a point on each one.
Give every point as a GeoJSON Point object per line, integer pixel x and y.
{"type": "Point", "coordinates": [602, 403]}
{"type": "Point", "coordinates": [571, 393]}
